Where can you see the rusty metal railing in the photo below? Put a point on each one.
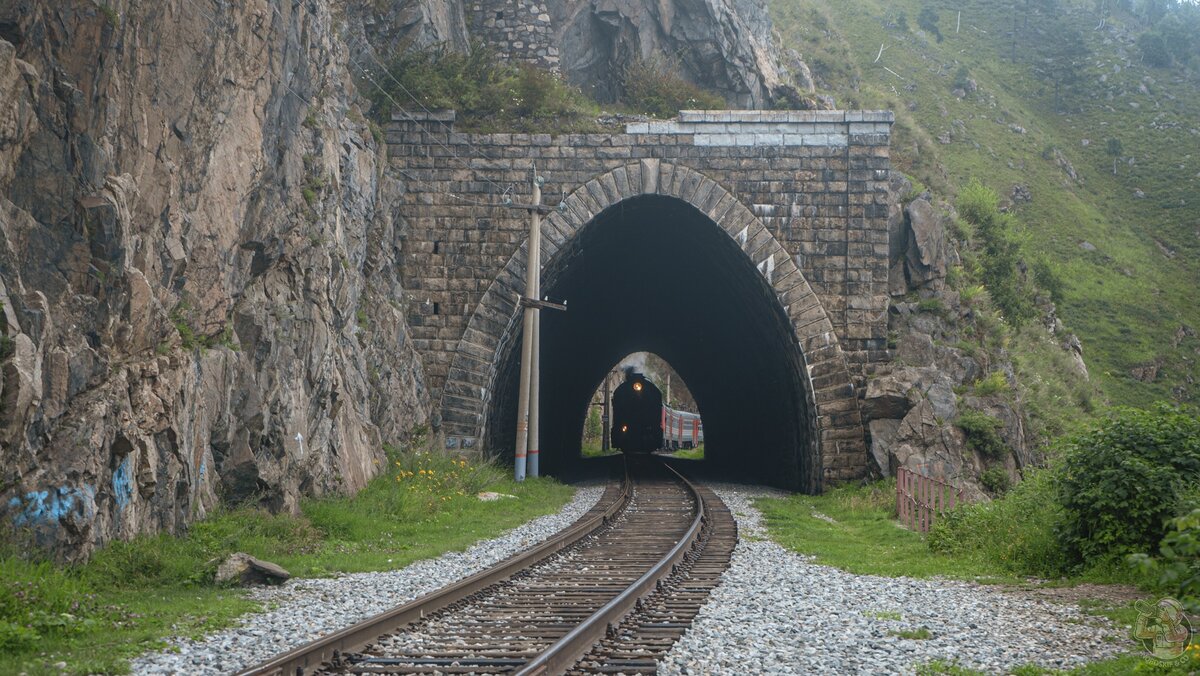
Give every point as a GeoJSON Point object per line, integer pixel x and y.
{"type": "Point", "coordinates": [920, 499]}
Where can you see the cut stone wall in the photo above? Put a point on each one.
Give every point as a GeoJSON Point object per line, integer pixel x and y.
{"type": "Point", "coordinates": [519, 30]}
{"type": "Point", "coordinates": [816, 180]}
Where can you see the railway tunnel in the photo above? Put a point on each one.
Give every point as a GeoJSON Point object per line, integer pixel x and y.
{"type": "Point", "coordinates": [653, 273]}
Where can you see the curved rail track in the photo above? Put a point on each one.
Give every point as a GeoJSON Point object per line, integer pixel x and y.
{"type": "Point", "coordinates": [610, 594]}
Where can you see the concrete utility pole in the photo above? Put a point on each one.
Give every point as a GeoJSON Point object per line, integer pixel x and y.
{"type": "Point", "coordinates": [535, 380]}
{"type": "Point", "coordinates": [528, 336]}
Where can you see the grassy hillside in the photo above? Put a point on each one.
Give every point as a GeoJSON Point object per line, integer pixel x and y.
{"type": "Point", "coordinates": [1125, 246]}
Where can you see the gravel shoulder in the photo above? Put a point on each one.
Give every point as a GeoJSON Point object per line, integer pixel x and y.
{"type": "Point", "coordinates": [302, 610]}
{"type": "Point", "coordinates": [778, 612]}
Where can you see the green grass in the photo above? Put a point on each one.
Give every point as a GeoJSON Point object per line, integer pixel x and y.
{"type": "Point", "coordinates": [591, 449]}
{"type": "Point", "coordinates": [859, 534]}
{"type": "Point", "coordinates": [696, 453]}
{"type": "Point", "coordinates": [1127, 299]}
{"type": "Point", "coordinates": [132, 595]}
{"type": "Point", "coordinates": [852, 528]}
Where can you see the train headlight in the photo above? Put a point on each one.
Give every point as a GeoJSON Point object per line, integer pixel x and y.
{"type": "Point", "coordinates": [624, 428]}
{"type": "Point", "coordinates": [637, 387]}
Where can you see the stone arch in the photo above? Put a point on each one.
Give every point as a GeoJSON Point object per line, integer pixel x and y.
{"type": "Point", "coordinates": [838, 439]}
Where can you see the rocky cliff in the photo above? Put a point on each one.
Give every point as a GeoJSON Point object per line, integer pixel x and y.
{"type": "Point", "coordinates": [197, 267]}
{"type": "Point", "coordinates": [725, 45]}
{"type": "Point", "coordinates": [926, 410]}
{"type": "Point", "coordinates": [198, 259]}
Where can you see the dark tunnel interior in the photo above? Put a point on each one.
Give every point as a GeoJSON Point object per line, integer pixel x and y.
{"type": "Point", "coordinates": [654, 274]}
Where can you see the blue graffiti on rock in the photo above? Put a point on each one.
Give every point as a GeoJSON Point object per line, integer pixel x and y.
{"type": "Point", "coordinates": [50, 506]}
{"type": "Point", "coordinates": [122, 482]}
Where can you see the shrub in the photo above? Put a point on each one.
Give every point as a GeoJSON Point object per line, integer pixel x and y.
{"type": "Point", "coordinates": [1048, 279]}
{"type": "Point", "coordinates": [928, 20]}
{"type": "Point", "coordinates": [1018, 531]}
{"type": "Point", "coordinates": [993, 383]}
{"type": "Point", "coordinates": [982, 433]}
{"type": "Point", "coordinates": [972, 293]}
{"type": "Point", "coordinates": [179, 318]}
{"type": "Point", "coordinates": [1154, 50]}
{"type": "Point", "coordinates": [1125, 478]}
{"type": "Point", "coordinates": [593, 428]}
{"type": "Point", "coordinates": [486, 91]}
{"type": "Point", "coordinates": [933, 305]}
{"type": "Point", "coordinates": [654, 87]}
{"type": "Point", "coordinates": [110, 15]}
{"type": "Point", "coordinates": [962, 79]}
{"type": "Point", "coordinates": [995, 480]}
{"type": "Point", "coordinates": [1177, 571]}
{"type": "Point", "coordinates": [1000, 252]}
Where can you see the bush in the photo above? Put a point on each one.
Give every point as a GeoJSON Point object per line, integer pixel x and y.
{"type": "Point", "coordinates": [1124, 479]}
{"type": "Point", "coordinates": [962, 79]}
{"type": "Point", "coordinates": [1047, 278]}
{"type": "Point", "coordinates": [483, 89]}
{"type": "Point", "coordinates": [1177, 571]}
{"type": "Point", "coordinates": [995, 480]}
{"type": "Point", "coordinates": [982, 433]}
{"type": "Point", "coordinates": [993, 383]}
{"type": "Point", "coordinates": [653, 86]}
{"type": "Point", "coordinates": [1154, 50]}
{"type": "Point", "coordinates": [928, 20]}
{"type": "Point", "coordinates": [1018, 531]}
{"type": "Point", "coordinates": [1000, 252]}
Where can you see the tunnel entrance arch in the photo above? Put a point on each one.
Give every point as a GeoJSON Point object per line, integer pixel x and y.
{"type": "Point", "coordinates": [655, 256]}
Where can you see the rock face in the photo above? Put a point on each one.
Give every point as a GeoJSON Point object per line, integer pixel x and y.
{"type": "Point", "coordinates": [377, 30]}
{"type": "Point", "coordinates": [912, 405]}
{"type": "Point", "coordinates": [726, 45]}
{"type": "Point", "coordinates": [197, 268]}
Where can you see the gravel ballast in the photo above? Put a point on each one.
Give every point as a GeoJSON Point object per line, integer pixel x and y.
{"type": "Point", "coordinates": [306, 609]}
{"type": "Point", "coordinates": [777, 612]}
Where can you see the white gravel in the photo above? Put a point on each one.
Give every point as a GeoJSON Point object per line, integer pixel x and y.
{"type": "Point", "coordinates": [777, 612]}
{"type": "Point", "coordinates": [304, 609]}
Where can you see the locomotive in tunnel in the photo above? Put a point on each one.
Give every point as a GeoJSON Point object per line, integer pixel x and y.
{"type": "Point", "coordinates": [643, 424]}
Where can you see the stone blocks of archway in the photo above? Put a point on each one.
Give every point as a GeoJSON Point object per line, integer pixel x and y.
{"type": "Point", "coordinates": [839, 437]}
{"type": "Point", "coordinates": [802, 193]}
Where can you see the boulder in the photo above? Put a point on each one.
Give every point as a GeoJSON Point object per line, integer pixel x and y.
{"type": "Point", "coordinates": [898, 188]}
{"type": "Point", "coordinates": [243, 569]}
{"type": "Point", "coordinates": [927, 445]}
{"type": "Point", "coordinates": [925, 257]}
{"type": "Point", "coordinates": [886, 397]}
{"type": "Point", "coordinates": [916, 349]}
{"type": "Point", "coordinates": [894, 394]}
{"type": "Point", "coordinates": [883, 435]}
{"type": "Point", "coordinates": [1075, 348]}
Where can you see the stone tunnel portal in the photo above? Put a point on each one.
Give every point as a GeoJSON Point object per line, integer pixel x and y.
{"type": "Point", "coordinates": [653, 273]}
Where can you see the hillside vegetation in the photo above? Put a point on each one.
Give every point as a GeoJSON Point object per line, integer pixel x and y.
{"type": "Point", "coordinates": [1082, 116]}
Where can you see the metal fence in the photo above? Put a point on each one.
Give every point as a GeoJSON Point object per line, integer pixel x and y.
{"type": "Point", "coordinates": [919, 499]}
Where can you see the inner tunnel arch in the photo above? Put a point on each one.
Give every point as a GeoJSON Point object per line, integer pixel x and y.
{"type": "Point", "coordinates": [656, 257]}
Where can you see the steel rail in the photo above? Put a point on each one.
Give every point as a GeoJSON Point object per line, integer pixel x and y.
{"type": "Point", "coordinates": [566, 651]}
{"type": "Point", "coordinates": [315, 654]}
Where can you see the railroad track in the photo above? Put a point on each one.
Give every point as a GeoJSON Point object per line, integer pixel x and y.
{"type": "Point", "coordinates": [610, 594]}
